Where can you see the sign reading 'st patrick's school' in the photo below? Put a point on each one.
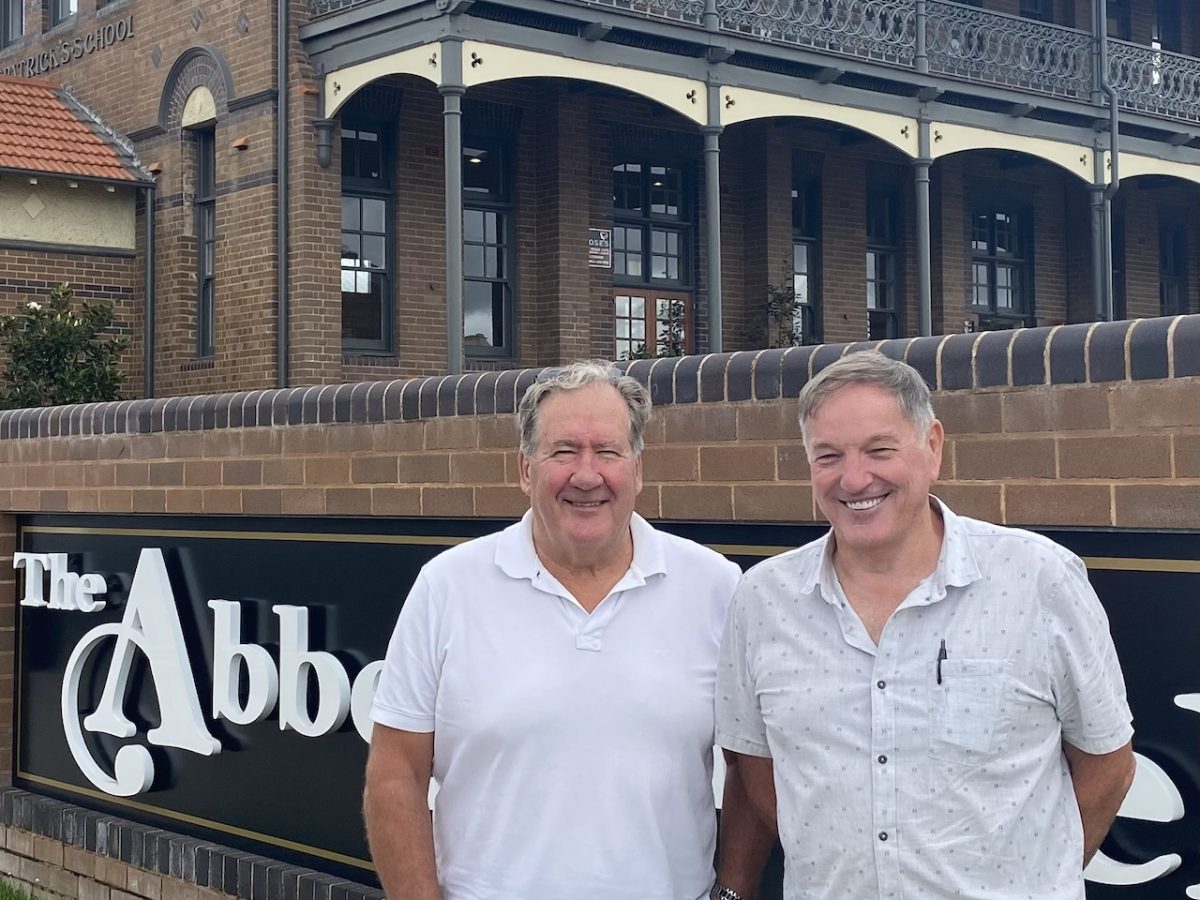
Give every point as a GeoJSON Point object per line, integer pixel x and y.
{"type": "Point", "coordinates": [214, 676]}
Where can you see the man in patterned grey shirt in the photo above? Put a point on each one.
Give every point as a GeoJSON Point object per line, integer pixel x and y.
{"type": "Point", "coordinates": [930, 706]}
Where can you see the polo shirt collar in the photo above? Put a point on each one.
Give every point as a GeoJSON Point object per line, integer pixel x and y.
{"type": "Point", "coordinates": [956, 565]}
{"type": "Point", "coordinates": [517, 558]}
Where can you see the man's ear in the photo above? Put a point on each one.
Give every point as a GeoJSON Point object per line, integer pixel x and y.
{"type": "Point", "coordinates": [936, 441]}
{"type": "Point", "coordinates": [523, 472]}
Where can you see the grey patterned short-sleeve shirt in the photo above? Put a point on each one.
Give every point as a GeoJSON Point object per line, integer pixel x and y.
{"type": "Point", "coordinates": [899, 776]}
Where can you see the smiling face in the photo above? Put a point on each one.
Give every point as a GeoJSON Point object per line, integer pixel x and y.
{"type": "Point", "coordinates": [872, 471]}
{"type": "Point", "coordinates": [582, 478]}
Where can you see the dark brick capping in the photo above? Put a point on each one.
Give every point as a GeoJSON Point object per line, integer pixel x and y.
{"type": "Point", "coordinates": [1072, 354]}
{"type": "Point", "coordinates": [190, 860]}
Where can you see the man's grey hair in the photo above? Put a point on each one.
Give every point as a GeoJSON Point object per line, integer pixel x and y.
{"type": "Point", "coordinates": [572, 377]}
{"type": "Point", "coordinates": [872, 368]}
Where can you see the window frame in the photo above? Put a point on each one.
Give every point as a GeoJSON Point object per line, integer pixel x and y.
{"type": "Point", "coordinates": [650, 319]}
{"type": "Point", "coordinates": [808, 230]}
{"type": "Point", "coordinates": [12, 22]}
{"type": "Point", "coordinates": [1023, 312]}
{"type": "Point", "coordinates": [1038, 11]}
{"type": "Point", "coordinates": [1174, 238]}
{"type": "Point", "coordinates": [890, 246]}
{"type": "Point", "coordinates": [59, 11]}
{"type": "Point", "coordinates": [361, 188]}
{"type": "Point", "coordinates": [647, 223]}
{"type": "Point", "coordinates": [205, 205]}
{"type": "Point", "coordinates": [505, 206]}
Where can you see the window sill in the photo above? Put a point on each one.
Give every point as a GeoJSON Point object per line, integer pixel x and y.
{"type": "Point", "coordinates": [194, 365]}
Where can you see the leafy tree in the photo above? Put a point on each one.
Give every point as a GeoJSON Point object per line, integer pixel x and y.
{"type": "Point", "coordinates": [57, 355]}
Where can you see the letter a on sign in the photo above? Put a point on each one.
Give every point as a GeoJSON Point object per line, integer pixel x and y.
{"type": "Point", "coordinates": [150, 624]}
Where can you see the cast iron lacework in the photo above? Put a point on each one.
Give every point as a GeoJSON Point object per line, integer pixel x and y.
{"type": "Point", "coordinates": [1153, 81]}
{"type": "Point", "coordinates": [1001, 49]}
{"type": "Point", "coordinates": [882, 30]}
{"type": "Point", "coordinates": [679, 10]}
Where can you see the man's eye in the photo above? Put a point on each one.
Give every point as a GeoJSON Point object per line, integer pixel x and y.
{"type": "Point", "coordinates": [882, 452]}
{"type": "Point", "coordinates": [826, 459]}
{"type": "Point", "coordinates": [562, 453]}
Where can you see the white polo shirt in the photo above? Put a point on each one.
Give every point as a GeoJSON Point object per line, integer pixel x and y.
{"type": "Point", "coordinates": [573, 752]}
{"type": "Point", "coordinates": [891, 785]}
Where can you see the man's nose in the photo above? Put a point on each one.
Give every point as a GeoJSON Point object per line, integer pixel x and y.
{"type": "Point", "coordinates": [586, 474]}
{"type": "Point", "coordinates": [856, 475]}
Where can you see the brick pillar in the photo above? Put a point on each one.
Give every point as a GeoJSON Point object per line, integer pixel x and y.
{"type": "Point", "coordinates": [843, 247]}
{"type": "Point", "coordinates": [8, 621]}
{"type": "Point", "coordinates": [314, 263]}
{"type": "Point", "coordinates": [949, 245]}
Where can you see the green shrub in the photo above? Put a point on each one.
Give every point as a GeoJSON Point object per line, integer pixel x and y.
{"type": "Point", "coordinates": [56, 355]}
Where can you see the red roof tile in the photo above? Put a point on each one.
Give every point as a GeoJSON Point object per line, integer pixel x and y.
{"type": "Point", "coordinates": [43, 128]}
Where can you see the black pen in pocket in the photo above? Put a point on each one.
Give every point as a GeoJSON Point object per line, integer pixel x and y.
{"type": "Point", "coordinates": [942, 655]}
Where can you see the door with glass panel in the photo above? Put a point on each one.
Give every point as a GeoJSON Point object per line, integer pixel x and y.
{"type": "Point", "coordinates": [652, 323]}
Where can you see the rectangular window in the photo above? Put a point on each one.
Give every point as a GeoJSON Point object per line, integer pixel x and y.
{"type": "Point", "coordinates": [488, 216]}
{"type": "Point", "coordinates": [366, 241]}
{"type": "Point", "coordinates": [651, 323]}
{"type": "Point", "coordinates": [206, 239]}
{"type": "Point", "coordinates": [652, 240]}
{"type": "Point", "coordinates": [12, 21]}
{"type": "Point", "coordinates": [652, 230]}
{"type": "Point", "coordinates": [1173, 268]}
{"type": "Point", "coordinates": [1000, 271]}
{"type": "Point", "coordinates": [883, 263]}
{"type": "Point", "coordinates": [1168, 24]}
{"type": "Point", "coordinates": [1119, 20]}
{"type": "Point", "coordinates": [806, 254]}
{"type": "Point", "coordinates": [60, 10]}
{"type": "Point", "coordinates": [1041, 10]}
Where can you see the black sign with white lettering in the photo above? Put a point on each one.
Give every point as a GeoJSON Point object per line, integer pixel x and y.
{"type": "Point", "coordinates": [212, 676]}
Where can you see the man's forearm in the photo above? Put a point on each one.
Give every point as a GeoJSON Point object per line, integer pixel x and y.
{"type": "Point", "coordinates": [1101, 783]}
{"type": "Point", "coordinates": [400, 833]}
{"type": "Point", "coordinates": [747, 834]}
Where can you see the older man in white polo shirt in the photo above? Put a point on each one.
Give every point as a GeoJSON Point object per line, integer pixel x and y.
{"type": "Point", "coordinates": [556, 679]}
{"type": "Point", "coordinates": [934, 701]}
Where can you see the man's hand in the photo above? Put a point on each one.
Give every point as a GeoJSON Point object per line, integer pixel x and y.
{"type": "Point", "coordinates": [396, 810]}
{"type": "Point", "coordinates": [748, 827]}
{"type": "Point", "coordinates": [1101, 783]}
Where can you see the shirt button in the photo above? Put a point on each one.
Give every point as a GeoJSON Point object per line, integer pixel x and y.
{"type": "Point", "coordinates": [881, 684]}
{"type": "Point", "coordinates": [883, 835]}
{"type": "Point", "coordinates": [882, 759]}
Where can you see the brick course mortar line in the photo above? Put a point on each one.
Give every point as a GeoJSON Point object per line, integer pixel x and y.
{"type": "Point", "coordinates": [57, 850]}
{"type": "Point", "coordinates": [1022, 354]}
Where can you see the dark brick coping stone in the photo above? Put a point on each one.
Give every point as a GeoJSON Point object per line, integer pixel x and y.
{"type": "Point", "coordinates": [192, 860]}
{"type": "Point", "coordinates": [1071, 354]}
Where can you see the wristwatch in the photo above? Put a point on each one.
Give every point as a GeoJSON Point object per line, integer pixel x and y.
{"type": "Point", "coordinates": [720, 892]}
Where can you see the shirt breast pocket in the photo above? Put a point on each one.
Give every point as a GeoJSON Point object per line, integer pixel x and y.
{"type": "Point", "coordinates": [969, 709]}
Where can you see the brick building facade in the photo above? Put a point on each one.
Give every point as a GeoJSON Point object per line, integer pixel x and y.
{"type": "Point", "coordinates": [593, 122]}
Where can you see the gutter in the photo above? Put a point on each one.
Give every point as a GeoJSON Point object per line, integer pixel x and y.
{"type": "Point", "coordinates": [283, 196]}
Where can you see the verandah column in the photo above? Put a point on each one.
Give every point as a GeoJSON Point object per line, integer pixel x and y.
{"type": "Point", "coordinates": [452, 90]}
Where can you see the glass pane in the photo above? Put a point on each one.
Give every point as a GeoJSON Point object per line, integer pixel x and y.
{"type": "Point", "coordinates": [209, 254]}
{"type": "Point", "coordinates": [658, 267]}
{"type": "Point", "coordinates": [1004, 234]}
{"type": "Point", "coordinates": [492, 263]}
{"type": "Point", "coordinates": [491, 227]}
{"type": "Point", "coordinates": [633, 266]}
{"type": "Point", "coordinates": [477, 314]}
{"type": "Point", "coordinates": [483, 171]}
{"type": "Point", "coordinates": [800, 259]}
{"type": "Point", "coordinates": [362, 308]}
{"type": "Point", "coordinates": [622, 328]}
{"type": "Point", "coordinates": [871, 257]}
{"type": "Point", "coordinates": [637, 307]}
{"type": "Point", "coordinates": [980, 230]}
{"type": "Point", "coordinates": [800, 286]}
{"type": "Point", "coordinates": [633, 239]}
{"type": "Point", "coordinates": [374, 253]}
{"type": "Point", "coordinates": [350, 218]}
{"type": "Point", "coordinates": [370, 160]}
{"type": "Point", "coordinates": [373, 215]}
{"type": "Point", "coordinates": [658, 241]}
{"type": "Point", "coordinates": [473, 225]}
{"type": "Point", "coordinates": [872, 301]}
{"type": "Point", "coordinates": [622, 304]}
{"type": "Point", "coordinates": [473, 261]}
{"type": "Point", "coordinates": [637, 329]}
{"type": "Point", "coordinates": [350, 249]}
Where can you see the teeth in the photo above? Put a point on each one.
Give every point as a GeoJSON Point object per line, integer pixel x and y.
{"type": "Point", "coordinates": [860, 505]}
